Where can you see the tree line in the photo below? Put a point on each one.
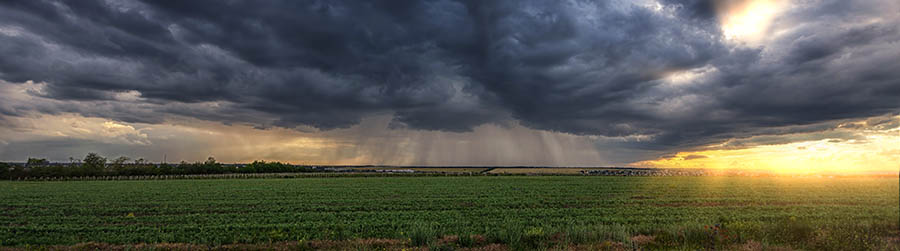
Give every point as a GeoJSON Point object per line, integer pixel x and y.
{"type": "Point", "coordinates": [95, 165]}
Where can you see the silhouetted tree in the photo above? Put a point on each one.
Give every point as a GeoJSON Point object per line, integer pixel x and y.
{"type": "Point", "coordinates": [94, 164]}
{"type": "Point", "coordinates": [119, 164]}
{"type": "Point", "coordinates": [210, 161]}
{"type": "Point", "coordinates": [5, 170]}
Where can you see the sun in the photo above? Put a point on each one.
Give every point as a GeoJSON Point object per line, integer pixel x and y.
{"type": "Point", "coordinates": [749, 20]}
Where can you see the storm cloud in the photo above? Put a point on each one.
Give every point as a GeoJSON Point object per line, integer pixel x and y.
{"type": "Point", "coordinates": [659, 71]}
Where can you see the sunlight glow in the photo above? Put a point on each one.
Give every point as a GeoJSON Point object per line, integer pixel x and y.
{"type": "Point", "coordinates": [872, 151]}
{"type": "Point", "coordinates": [748, 21]}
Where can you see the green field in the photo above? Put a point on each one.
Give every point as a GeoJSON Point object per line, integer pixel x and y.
{"type": "Point", "coordinates": [518, 212]}
{"type": "Point", "coordinates": [430, 169]}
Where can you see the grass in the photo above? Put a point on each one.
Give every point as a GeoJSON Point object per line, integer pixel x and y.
{"type": "Point", "coordinates": [541, 170]}
{"type": "Point", "coordinates": [430, 169]}
{"type": "Point", "coordinates": [518, 212]}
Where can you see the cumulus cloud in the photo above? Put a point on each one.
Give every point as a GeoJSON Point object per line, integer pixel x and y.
{"type": "Point", "coordinates": [649, 76]}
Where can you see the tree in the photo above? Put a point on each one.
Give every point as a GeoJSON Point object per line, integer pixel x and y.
{"type": "Point", "coordinates": [210, 161]}
{"type": "Point", "coordinates": [94, 160]}
{"type": "Point", "coordinates": [209, 166]}
{"type": "Point", "coordinates": [120, 161]}
{"type": "Point", "coordinates": [93, 164]}
{"type": "Point", "coordinates": [5, 170]}
{"type": "Point", "coordinates": [119, 164]}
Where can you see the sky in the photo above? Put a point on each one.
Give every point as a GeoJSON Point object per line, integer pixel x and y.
{"type": "Point", "coordinates": [787, 86]}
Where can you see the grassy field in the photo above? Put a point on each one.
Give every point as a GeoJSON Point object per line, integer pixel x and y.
{"type": "Point", "coordinates": [516, 212]}
{"type": "Point", "coordinates": [545, 170]}
{"type": "Point", "coordinates": [430, 169]}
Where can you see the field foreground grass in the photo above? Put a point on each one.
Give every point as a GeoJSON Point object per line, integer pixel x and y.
{"type": "Point", "coordinates": [479, 212]}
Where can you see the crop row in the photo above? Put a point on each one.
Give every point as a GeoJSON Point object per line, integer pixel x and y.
{"type": "Point", "coordinates": [504, 209]}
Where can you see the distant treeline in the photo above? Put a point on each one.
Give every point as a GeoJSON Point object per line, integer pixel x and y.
{"type": "Point", "coordinates": [96, 165]}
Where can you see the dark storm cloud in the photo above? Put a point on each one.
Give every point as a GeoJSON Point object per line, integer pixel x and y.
{"type": "Point", "coordinates": [699, 9]}
{"type": "Point", "coordinates": [581, 67]}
